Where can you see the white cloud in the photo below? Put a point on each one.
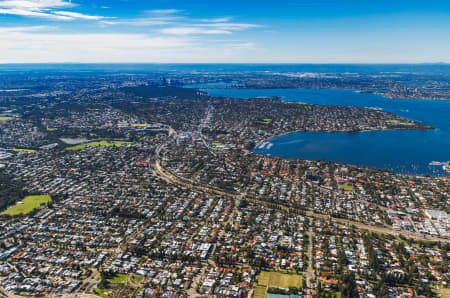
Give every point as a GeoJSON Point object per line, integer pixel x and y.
{"type": "Point", "coordinates": [21, 45]}
{"type": "Point", "coordinates": [31, 13]}
{"type": "Point", "coordinates": [43, 9]}
{"type": "Point", "coordinates": [183, 25]}
{"type": "Point", "coordinates": [192, 31]}
{"type": "Point", "coordinates": [177, 39]}
{"type": "Point", "coordinates": [242, 45]}
{"type": "Point", "coordinates": [141, 21]}
{"type": "Point", "coordinates": [32, 45]}
{"type": "Point", "coordinates": [211, 26]}
{"type": "Point", "coordinates": [76, 15]}
{"type": "Point", "coordinates": [218, 20]}
{"type": "Point", "coordinates": [24, 29]}
{"type": "Point", "coordinates": [231, 26]}
{"type": "Point", "coordinates": [164, 11]}
{"type": "Point", "coordinates": [35, 4]}
{"type": "Point", "coordinates": [208, 28]}
{"type": "Point", "coordinates": [111, 22]}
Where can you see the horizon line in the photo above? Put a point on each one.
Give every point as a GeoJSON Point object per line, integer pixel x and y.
{"type": "Point", "coordinates": [236, 63]}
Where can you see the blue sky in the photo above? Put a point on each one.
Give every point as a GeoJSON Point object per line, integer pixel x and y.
{"type": "Point", "coordinates": [395, 31]}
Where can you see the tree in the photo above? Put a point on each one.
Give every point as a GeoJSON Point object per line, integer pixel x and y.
{"type": "Point", "coordinates": [348, 287]}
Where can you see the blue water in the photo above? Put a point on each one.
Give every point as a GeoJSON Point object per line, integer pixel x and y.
{"type": "Point", "coordinates": [405, 151]}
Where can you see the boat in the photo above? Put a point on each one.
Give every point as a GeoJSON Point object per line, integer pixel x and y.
{"type": "Point", "coordinates": [435, 163]}
{"type": "Point", "coordinates": [446, 167]}
{"type": "Point", "coordinates": [262, 145]}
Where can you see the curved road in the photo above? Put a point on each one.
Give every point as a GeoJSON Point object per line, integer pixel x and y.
{"type": "Point", "coordinates": [173, 178]}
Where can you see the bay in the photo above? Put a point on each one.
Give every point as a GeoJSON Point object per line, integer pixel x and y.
{"type": "Point", "coordinates": [403, 151]}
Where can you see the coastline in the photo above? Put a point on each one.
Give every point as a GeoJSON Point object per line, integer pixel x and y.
{"type": "Point", "coordinates": [362, 91]}
{"type": "Point", "coordinates": [387, 95]}
{"type": "Point", "coordinates": [400, 169]}
{"type": "Point", "coordinates": [335, 132]}
{"type": "Point", "coordinates": [271, 140]}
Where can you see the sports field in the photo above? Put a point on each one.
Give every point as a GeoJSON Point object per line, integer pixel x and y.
{"type": "Point", "coordinates": [27, 205]}
{"type": "Point", "coordinates": [268, 280]}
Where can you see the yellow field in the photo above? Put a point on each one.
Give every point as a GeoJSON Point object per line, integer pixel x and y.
{"type": "Point", "coordinates": [268, 280]}
{"type": "Point", "coordinates": [27, 205]}
{"type": "Point", "coordinates": [266, 121]}
{"type": "Point", "coordinates": [141, 124]}
{"type": "Point", "coordinates": [99, 144]}
{"type": "Point", "coordinates": [443, 293]}
{"type": "Point", "coordinates": [23, 150]}
{"type": "Point", "coordinates": [346, 186]}
{"type": "Point", "coordinates": [260, 292]}
{"type": "Point", "coordinates": [398, 122]}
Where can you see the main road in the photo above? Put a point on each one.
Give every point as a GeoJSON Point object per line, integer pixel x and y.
{"type": "Point", "coordinates": [170, 177]}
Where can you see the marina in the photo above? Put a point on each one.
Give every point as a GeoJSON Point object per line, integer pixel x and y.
{"type": "Point", "coordinates": [264, 145]}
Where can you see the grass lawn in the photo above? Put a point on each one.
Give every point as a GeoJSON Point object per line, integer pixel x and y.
{"type": "Point", "coordinates": [27, 205]}
{"type": "Point", "coordinates": [119, 279]}
{"type": "Point", "coordinates": [99, 144]}
{"type": "Point", "coordinates": [265, 121]}
{"type": "Point", "coordinates": [52, 129]}
{"type": "Point", "coordinates": [346, 186]}
{"type": "Point", "coordinates": [280, 280]}
{"type": "Point", "coordinates": [5, 118]}
{"type": "Point", "coordinates": [136, 279]}
{"type": "Point", "coordinates": [444, 293]}
{"type": "Point", "coordinates": [101, 292]}
{"type": "Point", "coordinates": [268, 280]}
{"type": "Point", "coordinates": [23, 150]}
{"type": "Point", "coordinates": [398, 122]}
{"type": "Point", "coordinates": [260, 292]}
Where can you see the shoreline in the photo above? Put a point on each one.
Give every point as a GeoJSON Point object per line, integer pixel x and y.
{"type": "Point", "coordinates": [362, 91]}
{"type": "Point", "coordinates": [270, 141]}
{"type": "Point", "coordinates": [337, 132]}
